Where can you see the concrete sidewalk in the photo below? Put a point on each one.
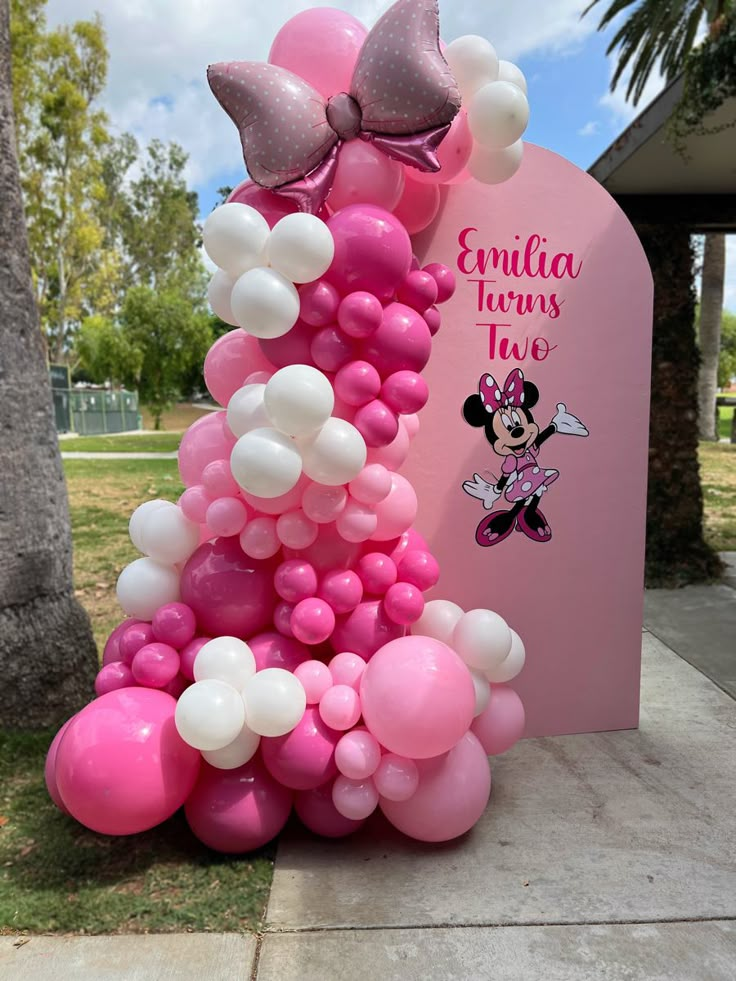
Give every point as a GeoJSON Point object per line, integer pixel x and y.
{"type": "Point", "coordinates": [604, 856]}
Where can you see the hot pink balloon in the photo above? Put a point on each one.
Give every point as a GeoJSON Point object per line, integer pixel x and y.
{"type": "Point", "coordinates": [402, 342]}
{"type": "Point", "coordinates": [418, 205]}
{"type": "Point", "coordinates": [365, 630]}
{"type": "Point", "coordinates": [113, 675]}
{"type": "Point", "coordinates": [417, 697]}
{"type": "Point", "coordinates": [175, 624]}
{"type": "Point", "coordinates": [229, 361]}
{"type": "Point", "coordinates": [365, 175]}
{"type": "Point", "coordinates": [188, 654]}
{"type": "Point", "coordinates": [317, 812]}
{"type": "Point", "coordinates": [305, 757]}
{"type": "Point", "coordinates": [501, 724]}
{"type": "Point", "coordinates": [294, 347]}
{"type": "Point", "coordinates": [418, 291]}
{"type": "Point", "coordinates": [155, 665]}
{"type": "Point", "coordinates": [49, 770]}
{"type": "Point", "coordinates": [207, 439]}
{"type": "Point", "coordinates": [453, 792]}
{"type": "Point", "coordinates": [273, 650]}
{"type": "Point", "coordinates": [318, 303]}
{"type": "Point", "coordinates": [342, 589]}
{"type": "Point", "coordinates": [453, 154]}
{"type": "Point", "coordinates": [272, 206]}
{"type": "Point", "coordinates": [372, 251]}
{"type": "Point", "coordinates": [122, 767]}
{"type": "Point", "coordinates": [237, 811]}
{"type": "Point", "coordinates": [135, 636]}
{"type": "Point", "coordinates": [112, 644]}
{"type": "Point", "coordinates": [230, 594]}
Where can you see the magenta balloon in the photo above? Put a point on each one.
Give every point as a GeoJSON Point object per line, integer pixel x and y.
{"type": "Point", "coordinates": [229, 361]}
{"type": "Point", "coordinates": [305, 757]}
{"type": "Point", "coordinates": [49, 770]}
{"type": "Point", "coordinates": [136, 635]}
{"type": "Point", "coordinates": [452, 794]}
{"type": "Point", "coordinates": [174, 624]}
{"type": "Point", "coordinates": [316, 811]}
{"type": "Point", "coordinates": [272, 206]}
{"type": "Point", "coordinates": [372, 251]}
{"type": "Point", "coordinates": [273, 650]}
{"type": "Point", "coordinates": [237, 811]}
{"type": "Point", "coordinates": [122, 767]}
{"type": "Point", "coordinates": [417, 697]}
{"type": "Point", "coordinates": [188, 656]}
{"type": "Point", "coordinates": [114, 675]}
{"type": "Point", "coordinates": [294, 347]}
{"type": "Point", "coordinates": [401, 343]}
{"type": "Point", "coordinates": [112, 644]}
{"type": "Point", "coordinates": [208, 439]}
{"type": "Point", "coordinates": [365, 630]}
{"type": "Point", "coordinates": [501, 724]}
{"type": "Point", "coordinates": [320, 45]}
{"type": "Point", "coordinates": [230, 593]}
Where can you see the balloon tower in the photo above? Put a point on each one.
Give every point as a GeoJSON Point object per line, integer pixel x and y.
{"type": "Point", "coordinates": [278, 651]}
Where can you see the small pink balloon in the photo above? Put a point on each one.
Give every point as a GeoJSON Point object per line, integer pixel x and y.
{"type": "Point", "coordinates": [176, 686]}
{"type": "Point", "coordinates": [342, 589]}
{"type": "Point", "coordinates": [418, 291]}
{"type": "Point", "coordinates": [419, 568]}
{"type": "Point", "coordinates": [360, 314]}
{"type": "Point", "coordinates": [347, 668]}
{"type": "Point", "coordinates": [433, 320]}
{"type": "Point", "coordinates": [113, 675]}
{"type": "Point", "coordinates": [452, 794]}
{"type": "Point", "coordinates": [218, 480]}
{"type": "Point", "coordinates": [377, 423]}
{"type": "Point", "coordinates": [354, 799]}
{"type": "Point", "coordinates": [365, 630]}
{"type": "Point", "coordinates": [365, 175]}
{"type": "Point", "coordinates": [453, 153]}
{"type": "Point", "coordinates": [323, 504]}
{"type": "Point", "coordinates": [357, 383]}
{"type": "Point", "coordinates": [402, 342]}
{"type": "Point", "coordinates": [229, 361]}
{"type": "Point", "coordinates": [174, 624]}
{"type": "Point", "coordinates": [226, 516]}
{"type": "Point", "coordinates": [49, 770]}
{"type": "Point", "coordinates": [404, 603]}
{"type": "Point", "coordinates": [331, 349]}
{"type": "Point", "coordinates": [237, 811]}
{"type": "Point", "coordinates": [137, 635]}
{"type": "Point", "coordinates": [318, 303]}
{"type": "Point", "coordinates": [259, 539]}
{"type": "Point", "coordinates": [339, 707]}
{"type": "Point", "coordinates": [155, 665]}
{"type": "Point", "coordinates": [501, 724]}
{"type": "Point", "coordinates": [316, 678]}
{"type": "Point", "coordinates": [305, 757]}
{"type": "Point", "coordinates": [295, 580]}
{"type": "Point", "coordinates": [398, 511]}
{"type": "Point", "coordinates": [316, 811]}
{"type": "Point", "coordinates": [312, 621]}
{"type": "Point", "coordinates": [372, 485]}
{"type": "Point", "coordinates": [274, 650]}
{"type": "Point", "coordinates": [444, 277]}
{"type": "Point", "coordinates": [194, 503]}
{"type": "Point", "coordinates": [207, 439]}
{"type": "Point", "coordinates": [188, 654]}
{"type": "Point", "coordinates": [122, 767]}
{"type": "Point", "coordinates": [358, 755]}
{"type": "Point", "coordinates": [294, 347]}
{"type": "Point", "coordinates": [405, 392]}
{"type": "Point", "coordinates": [377, 572]}
{"type": "Point", "coordinates": [282, 618]}
{"type": "Point", "coordinates": [372, 251]}
{"type": "Point", "coordinates": [112, 644]}
{"type": "Point", "coordinates": [357, 522]}
{"type": "Point", "coordinates": [275, 506]}
{"type": "Point", "coordinates": [396, 777]}
{"type": "Point", "coordinates": [272, 206]}
{"type": "Point", "coordinates": [411, 424]}
{"type": "Point", "coordinates": [296, 530]}
{"type": "Point", "coordinates": [418, 205]}
{"type": "Point", "coordinates": [417, 696]}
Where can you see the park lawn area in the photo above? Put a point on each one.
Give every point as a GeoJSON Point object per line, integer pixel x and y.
{"type": "Point", "coordinates": [725, 416]}
{"type": "Point", "coordinates": [58, 877]}
{"type": "Point", "coordinates": [176, 419]}
{"type": "Point", "coordinates": [718, 474]}
{"type": "Point", "coordinates": [145, 443]}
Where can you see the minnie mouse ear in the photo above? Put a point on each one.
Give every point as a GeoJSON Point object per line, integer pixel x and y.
{"type": "Point", "coordinates": [531, 395]}
{"type": "Point", "coordinates": [474, 412]}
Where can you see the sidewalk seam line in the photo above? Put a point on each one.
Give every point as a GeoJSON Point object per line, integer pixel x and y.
{"type": "Point", "coordinates": [695, 666]}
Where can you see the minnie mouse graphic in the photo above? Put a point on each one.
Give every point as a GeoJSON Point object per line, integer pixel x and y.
{"type": "Point", "coordinates": [505, 414]}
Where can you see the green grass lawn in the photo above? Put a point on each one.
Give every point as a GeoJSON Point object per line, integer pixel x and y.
{"type": "Point", "coordinates": [145, 443]}
{"type": "Point", "coordinates": [725, 417]}
{"type": "Point", "coordinates": [718, 475]}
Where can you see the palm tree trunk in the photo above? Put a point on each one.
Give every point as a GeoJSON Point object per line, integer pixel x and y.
{"type": "Point", "coordinates": [47, 654]}
{"type": "Point", "coordinates": [711, 310]}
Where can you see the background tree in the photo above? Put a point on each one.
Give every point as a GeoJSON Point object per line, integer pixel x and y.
{"type": "Point", "coordinates": [727, 357]}
{"type": "Point", "coordinates": [47, 655]}
{"type": "Point", "coordinates": [709, 332]}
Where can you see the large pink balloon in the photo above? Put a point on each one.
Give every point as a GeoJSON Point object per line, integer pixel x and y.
{"type": "Point", "coordinates": [396, 513]}
{"type": "Point", "coordinates": [417, 696]}
{"type": "Point", "coordinates": [321, 46]}
{"type": "Point", "coordinates": [365, 175]}
{"type": "Point", "coordinates": [239, 810]}
{"type": "Point", "coordinates": [122, 767]}
{"type": "Point", "coordinates": [372, 251]}
{"type": "Point", "coordinates": [49, 770]}
{"type": "Point", "coordinates": [208, 439]}
{"type": "Point", "coordinates": [317, 812]}
{"type": "Point", "coordinates": [305, 757]}
{"type": "Point", "coordinates": [365, 630]}
{"type": "Point", "coordinates": [453, 792]}
{"type": "Point", "coordinates": [229, 361]}
{"type": "Point", "coordinates": [501, 724]}
{"type": "Point", "coordinates": [230, 593]}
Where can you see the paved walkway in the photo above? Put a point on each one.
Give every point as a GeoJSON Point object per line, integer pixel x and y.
{"type": "Point", "coordinates": [604, 856]}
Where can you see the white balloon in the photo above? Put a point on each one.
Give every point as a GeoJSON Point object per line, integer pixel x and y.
{"type": "Point", "coordinates": [301, 247]}
{"type": "Point", "coordinates": [511, 664]}
{"type": "Point", "coordinates": [275, 701]}
{"type": "Point", "coordinates": [495, 166]}
{"type": "Point", "coordinates": [482, 639]}
{"type": "Point", "coordinates": [138, 518]}
{"type": "Point", "coordinates": [336, 455]}
{"type": "Point", "coordinates": [209, 714]}
{"type": "Point", "coordinates": [218, 293]}
{"type": "Point", "coordinates": [266, 463]}
{"type": "Point", "coordinates": [299, 399]}
{"type": "Point", "coordinates": [246, 411]}
{"type": "Point", "coordinates": [438, 620]}
{"type": "Point", "coordinates": [243, 748]}
{"type": "Point", "coordinates": [509, 72]}
{"type": "Point", "coordinates": [168, 536]}
{"type": "Point", "coordinates": [473, 61]}
{"type": "Point", "coordinates": [144, 585]}
{"type": "Point", "coordinates": [498, 114]}
{"type": "Point", "coordinates": [264, 303]}
{"type": "Point", "coordinates": [226, 659]}
{"type": "Point", "coordinates": [482, 692]}
{"type": "Point", "coordinates": [235, 237]}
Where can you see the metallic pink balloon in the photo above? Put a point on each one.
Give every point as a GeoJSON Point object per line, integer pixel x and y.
{"type": "Point", "coordinates": [372, 253]}
{"type": "Point", "coordinates": [112, 644]}
{"type": "Point", "coordinates": [175, 624]}
{"type": "Point", "coordinates": [305, 757]}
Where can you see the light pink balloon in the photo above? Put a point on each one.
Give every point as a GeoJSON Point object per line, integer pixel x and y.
{"type": "Point", "coordinates": [394, 455]}
{"type": "Point", "coordinates": [354, 799]}
{"type": "Point", "coordinates": [417, 697]}
{"type": "Point", "coordinates": [340, 707]}
{"type": "Point", "coordinates": [347, 668]}
{"type": "Point", "coordinates": [357, 522]}
{"type": "Point", "coordinates": [278, 505]}
{"type": "Point", "coordinates": [317, 812]}
{"type": "Point", "coordinates": [365, 175]}
{"type": "Point", "coordinates": [316, 678]}
{"type": "Point", "coordinates": [323, 504]}
{"type": "Point", "coordinates": [396, 777]}
{"type": "Point", "coordinates": [226, 516]}
{"type": "Point", "coordinates": [501, 724]}
{"type": "Point", "coordinates": [229, 361]}
{"type": "Point", "coordinates": [259, 539]}
{"type": "Point", "coordinates": [194, 503]}
{"type": "Point", "coordinates": [418, 205]}
{"type": "Point", "coordinates": [358, 755]}
{"type": "Point", "coordinates": [207, 439]}
{"type": "Point", "coordinates": [397, 512]}
{"type": "Point", "coordinates": [320, 45]}
{"type": "Point", "coordinates": [373, 484]}
{"type": "Point", "coordinates": [453, 154]}
{"type": "Point", "coordinates": [452, 794]}
{"type": "Point", "coordinates": [305, 757]}
{"type": "Point", "coordinates": [218, 480]}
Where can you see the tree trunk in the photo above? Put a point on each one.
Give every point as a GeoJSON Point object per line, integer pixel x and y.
{"type": "Point", "coordinates": [47, 654]}
{"type": "Point", "coordinates": [676, 550]}
{"type": "Point", "coordinates": [711, 310]}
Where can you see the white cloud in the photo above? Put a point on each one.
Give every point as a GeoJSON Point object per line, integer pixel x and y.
{"type": "Point", "coordinates": [622, 111]}
{"type": "Point", "coordinates": [590, 129]}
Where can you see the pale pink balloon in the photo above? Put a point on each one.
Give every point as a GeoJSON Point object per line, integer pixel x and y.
{"type": "Point", "coordinates": [354, 799]}
{"type": "Point", "coordinates": [194, 503]}
{"type": "Point", "coordinates": [340, 707]}
{"type": "Point", "coordinates": [396, 777]}
{"type": "Point", "coordinates": [259, 539]}
{"type": "Point", "coordinates": [316, 811]}
{"type": "Point", "coordinates": [278, 505]}
{"type": "Point", "coordinates": [226, 516]}
{"type": "Point", "coordinates": [320, 45]}
{"type": "Point", "coordinates": [501, 724]}
{"type": "Point", "coordinates": [323, 504]}
{"type": "Point", "coordinates": [365, 630]}
{"type": "Point", "coordinates": [453, 792]}
{"type": "Point", "coordinates": [229, 361]}
{"type": "Point", "coordinates": [357, 522]}
{"type": "Point", "coordinates": [410, 423]}
{"type": "Point", "coordinates": [305, 757]}
{"type": "Point", "coordinates": [373, 484]}
{"type": "Point", "coordinates": [207, 439]}
{"type": "Point", "coordinates": [417, 697]}
{"type": "Point", "coordinates": [365, 175]}
{"type": "Point", "coordinates": [316, 678]}
{"type": "Point", "coordinates": [394, 455]}
{"type": "Point", "coordinates": [347, 668]}
{"type": "Point", "coordinates": [358, 755]}
{"type": "Point", "coordinates": [273, 650]}
{"type": "Point", "coordinates": [218, 480]}
{"type": "Point", "coordinates": [418, 205]}
{"type": "Point", "coordinates": [453, 154]}
{"type": "Point", "coordinates": [296, 530]}
{"type": "Point", "coordinates": [397, 512]}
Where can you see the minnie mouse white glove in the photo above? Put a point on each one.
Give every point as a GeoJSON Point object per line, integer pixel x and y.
{"type": "Point", "coordinates": [568, 424]}
{"type": "Point", "coordinates": [482, 490]}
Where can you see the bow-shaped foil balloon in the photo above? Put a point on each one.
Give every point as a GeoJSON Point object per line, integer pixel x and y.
{"type": "Point", "coordinates": [402, 99]}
